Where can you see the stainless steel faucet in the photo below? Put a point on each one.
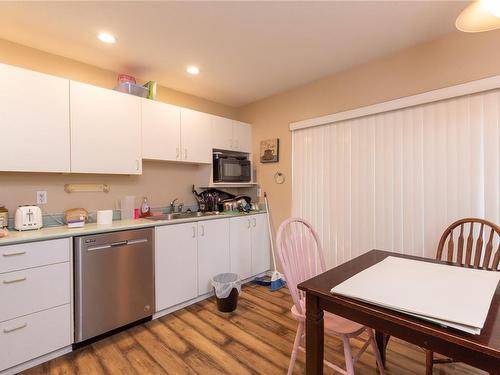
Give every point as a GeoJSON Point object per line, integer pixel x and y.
{"type": "Point", "coordinates": [172, 205]}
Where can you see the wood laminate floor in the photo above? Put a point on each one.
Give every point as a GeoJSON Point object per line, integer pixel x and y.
{"type": "Point", "coordinates": [256, 339]}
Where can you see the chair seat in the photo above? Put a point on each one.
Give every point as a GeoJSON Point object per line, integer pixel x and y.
{"type": "Point", "coordinates": [333, 324]}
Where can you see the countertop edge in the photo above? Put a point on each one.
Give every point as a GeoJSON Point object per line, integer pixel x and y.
{"type": "Point", "coordinates": [57, 232]}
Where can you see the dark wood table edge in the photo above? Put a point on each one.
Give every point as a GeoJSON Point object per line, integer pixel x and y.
{"type": "Point", "coordinates": [426, 335]}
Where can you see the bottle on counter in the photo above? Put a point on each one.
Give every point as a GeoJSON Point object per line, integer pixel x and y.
{"type": "Point", "coordinates": [4, 217]}
{"type": "Point", "coordinates": [145, 208]}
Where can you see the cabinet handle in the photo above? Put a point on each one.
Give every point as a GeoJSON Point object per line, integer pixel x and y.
{"type": "Point", "coordinates": [185, 154]}
{"type": "Point", "coordinates": [194, 232]}
{"type": "Point", "coordinates": [177, 153]}
{"type": "Point", "coordinates": [248, 223]}
{"type": "Point", "coordinates": [14, 254]}
{"type": "Point", "coordinates": [136, 164]}
{"type": "Point", "coordinates": [202, 230]}
{"type": "Point", "coordinates": [254, 222]}
{"type": "Point", "coordinates": [14, 280]}
{"type": "Point", "coordinates": [9, 330]}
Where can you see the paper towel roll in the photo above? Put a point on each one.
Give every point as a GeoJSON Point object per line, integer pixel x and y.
{"type": "Point", "coordinates": [104, 217]}
{"type": "Point", "coordinates": [127, 206]}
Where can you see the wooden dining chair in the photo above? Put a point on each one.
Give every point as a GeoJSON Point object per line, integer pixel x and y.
{"type": "Point", "coordinates": [481, 249]}
{"type": "Point", "coordinates": [301, 256]}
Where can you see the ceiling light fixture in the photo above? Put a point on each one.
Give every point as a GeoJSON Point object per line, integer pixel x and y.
{"type": "Point", "coordinates": [193, 70]}
{"type": "Point", "coordinates": [106, 38]}
{"type": "Point", "coordinates": [481, 15]}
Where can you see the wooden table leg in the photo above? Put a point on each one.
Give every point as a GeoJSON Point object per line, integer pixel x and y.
{"type": "Point", "coordinates": [314, 336]}
{"type": "Point", "coordinates": [382, 341]}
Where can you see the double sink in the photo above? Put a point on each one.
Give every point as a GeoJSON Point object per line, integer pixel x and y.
{"type": "Point", "coordinates": [181, 215]}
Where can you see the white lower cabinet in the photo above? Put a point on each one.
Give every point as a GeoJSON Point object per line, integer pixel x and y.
{"type": "Point", "coordinates": [241, 246]}
{"type": "Point", "coordinates": [32, 336]}
{"type": "Point", "coordinates": [250, 246]}
{"type": "Point", "coordinates": [261, 244]}
{"type": "Point", "coordinates": [35, 290]}
{"type": "Point", "coordinates": [213, 252]}
{"type": "Point", "coordinates": [35, 313]}
{"type": "Point", "coordinates": [187, 256]}
{"type": "Point", "coordinates": [176, 264]}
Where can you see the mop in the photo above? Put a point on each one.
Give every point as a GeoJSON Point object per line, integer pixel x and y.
{"type": "Point", "coordinates": [277, 281]}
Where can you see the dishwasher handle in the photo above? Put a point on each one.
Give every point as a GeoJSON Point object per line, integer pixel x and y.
{"type": "Point", "coordinates": [118, 243]}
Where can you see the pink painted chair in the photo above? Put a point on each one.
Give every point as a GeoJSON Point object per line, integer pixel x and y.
{"type": "Point", "coordinates": [301, 256]}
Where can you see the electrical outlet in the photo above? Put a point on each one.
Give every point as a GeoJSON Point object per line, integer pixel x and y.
{"type": "Point", "coordinates": [259, 192]}
{"type": "Point", "coordinates": [41, 197]}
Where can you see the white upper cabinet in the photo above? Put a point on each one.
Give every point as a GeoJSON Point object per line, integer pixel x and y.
{"type": "Point", "coordinates": [34, 121]}
{"type": "Point", "coordinates": [161, 131]}
{"type": "Point", "coordinates": [196, 136]}
{"type": "Point", "coordinates": [105, 131]}
{"type": "Point", "coordinates": [231, 135]}
{"type": "Point", "coordinates": [222, 130]}
{"type": "Point", "coordinates": [242, 136]}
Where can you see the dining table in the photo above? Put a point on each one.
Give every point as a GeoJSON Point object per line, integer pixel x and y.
{"type": "Point", "coordinates": [478, 350]}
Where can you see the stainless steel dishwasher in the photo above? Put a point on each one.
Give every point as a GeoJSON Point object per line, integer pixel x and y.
{"type": "Point", "coordinates": [114, 281]}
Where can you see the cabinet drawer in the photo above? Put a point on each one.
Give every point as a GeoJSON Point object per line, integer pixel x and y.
{"type": "Point", "coordinates": [33, 254]}
{"type": "Point", "coordinates": [34, 289]}
{"type": "Point", "coordinates": [34, 335]}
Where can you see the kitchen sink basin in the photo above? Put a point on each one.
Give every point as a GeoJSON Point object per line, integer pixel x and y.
{"type": "Point", "coordinates": [181, 215]}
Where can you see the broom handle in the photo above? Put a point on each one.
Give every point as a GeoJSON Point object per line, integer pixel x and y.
{"type": "Point", "coordinates": [269, 227]}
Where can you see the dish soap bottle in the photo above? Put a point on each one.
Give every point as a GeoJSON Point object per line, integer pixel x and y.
{"type": "Point", "coordinates": [145, 209]}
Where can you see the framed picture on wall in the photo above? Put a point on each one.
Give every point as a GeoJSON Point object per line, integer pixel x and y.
{"type": "Point", "coordinates": [270, 150]}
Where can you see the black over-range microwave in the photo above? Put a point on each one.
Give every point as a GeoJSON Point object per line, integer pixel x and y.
{"type": "Point", "coordinates": [231, 167]}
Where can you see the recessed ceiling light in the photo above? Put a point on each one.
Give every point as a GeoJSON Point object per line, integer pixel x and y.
{"type": "Point", "coordinates": [106, 38]}
{"type": "Point", "coordinates": [194, 70]}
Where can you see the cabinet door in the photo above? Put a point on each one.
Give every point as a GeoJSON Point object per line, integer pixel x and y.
{"type": "Point", "coordinates": [105, 131]}
{"type": "Point", "coordinates": [240, 246]}
{"type": "Point", "coordinates": [242, 136]}
{"type": "Point", "coordinates": [196, 136]}
{"type": "Point", "coordinates": [34, 121]}
{"type": "Point", "coordinates": [176, 276]}
{"type": "Point", "coordinates": [222, 131]}
{"type": "Point", "coordinates": [213, 251]}
{"type": "Point", "coordinates": [161, 131]}
{"type": "Point", "coordinates": [261, 245]}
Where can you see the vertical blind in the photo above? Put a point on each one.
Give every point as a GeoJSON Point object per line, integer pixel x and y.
{"type": "Point", "coordinates": [395, 180]}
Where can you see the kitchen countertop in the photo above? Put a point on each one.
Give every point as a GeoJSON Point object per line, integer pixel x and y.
{"type": "Point", "coordinates": [50, 233]}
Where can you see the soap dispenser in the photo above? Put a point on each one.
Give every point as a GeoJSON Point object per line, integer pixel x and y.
{"type": "Point", "coordinates": [145, 208]}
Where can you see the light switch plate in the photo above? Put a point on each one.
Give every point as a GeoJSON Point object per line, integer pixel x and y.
{"type": "Point", "coordinates": [41, 197]}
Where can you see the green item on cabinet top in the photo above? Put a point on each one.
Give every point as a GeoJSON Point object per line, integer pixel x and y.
{"type": "Point", "coordinates": [151, 86]}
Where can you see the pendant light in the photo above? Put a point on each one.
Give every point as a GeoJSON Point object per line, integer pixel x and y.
{"type": "Point", "coordinates": [481, 15]}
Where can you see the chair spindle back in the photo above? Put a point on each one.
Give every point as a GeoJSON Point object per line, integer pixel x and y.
{"type": "Point", "coordinates": [472, 242]}
{"type": "Point", "coordinates": [300, 254]}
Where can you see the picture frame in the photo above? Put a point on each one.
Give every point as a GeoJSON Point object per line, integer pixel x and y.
{"type": "Point", "coordinates": [269, 150]}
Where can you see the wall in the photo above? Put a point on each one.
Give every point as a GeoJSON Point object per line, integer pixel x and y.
{"type": "Point", "coordinates": [449, 60]}
{"type": "Point", "coordinates": [160, 181]}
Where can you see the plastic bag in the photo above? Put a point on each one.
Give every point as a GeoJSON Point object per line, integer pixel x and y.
{"type": "Point", "coordinates": [224, 283]}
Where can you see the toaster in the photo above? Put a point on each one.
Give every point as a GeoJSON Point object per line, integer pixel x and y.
{"type": "Point", "coordinates": [28, 217]}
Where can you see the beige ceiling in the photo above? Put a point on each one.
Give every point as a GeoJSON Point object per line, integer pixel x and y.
{"type": "Point", "coordinates": [245, 50]}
